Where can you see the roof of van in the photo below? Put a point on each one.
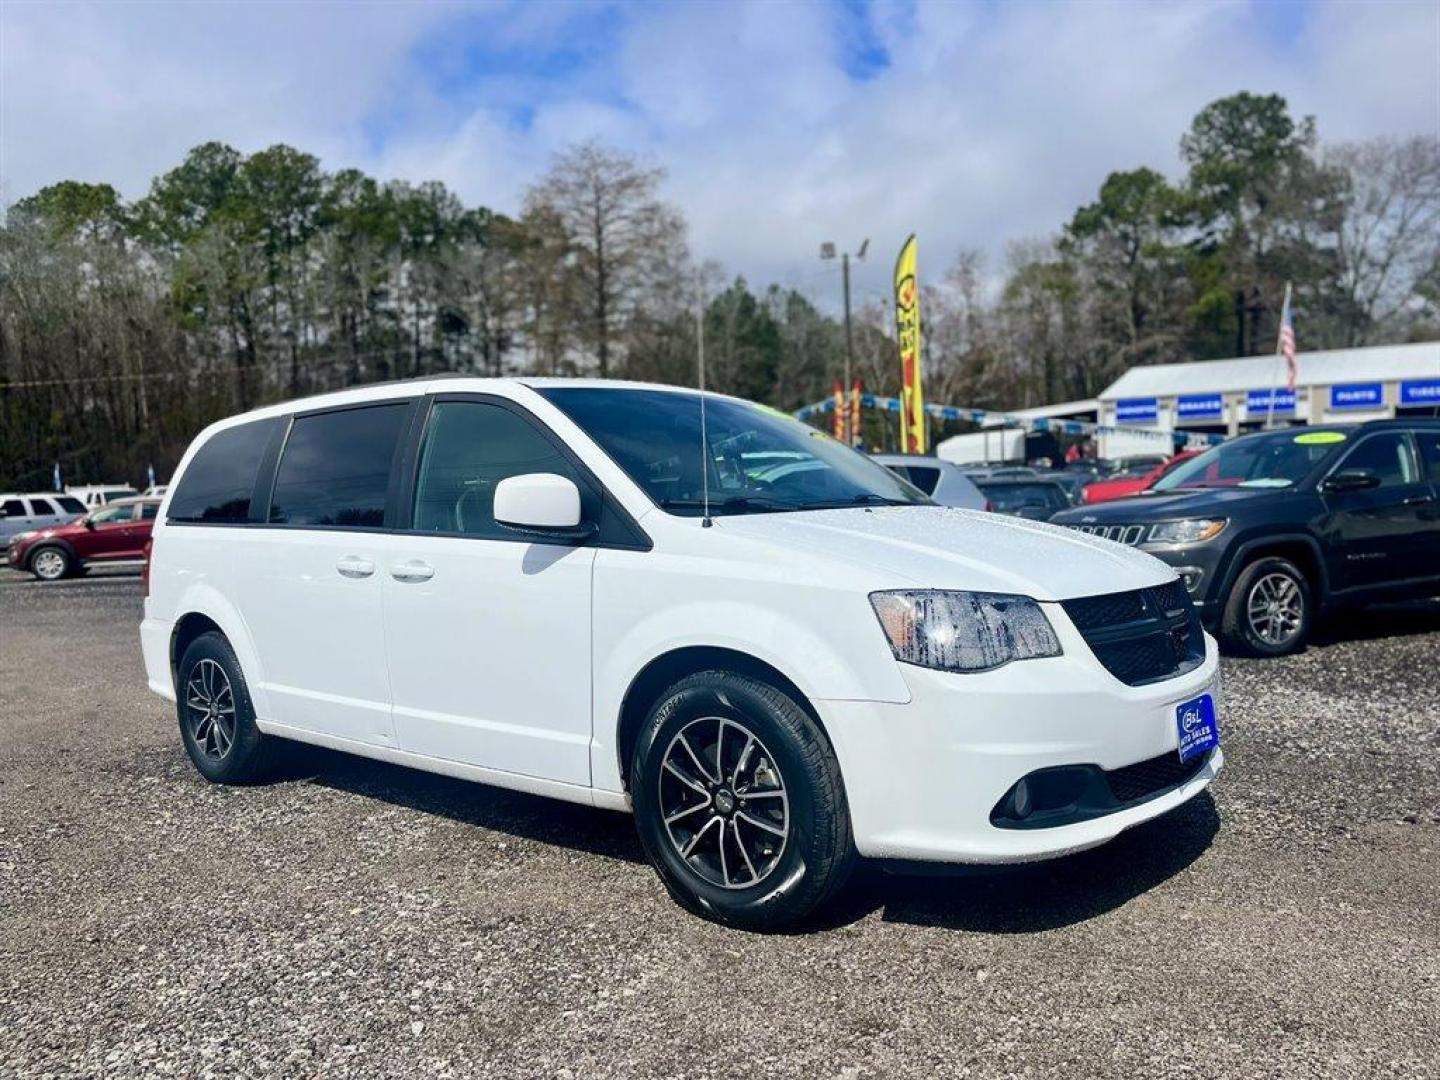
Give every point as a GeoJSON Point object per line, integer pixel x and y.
{"type": "Point", "coordinates": [449, 381]}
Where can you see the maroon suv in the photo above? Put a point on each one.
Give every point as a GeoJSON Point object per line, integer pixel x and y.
{"type": "Point", "coordinates": [115, 532]}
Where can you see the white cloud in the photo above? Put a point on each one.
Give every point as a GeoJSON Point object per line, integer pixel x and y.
{"type": "Point", "coordinates": [991, 122]}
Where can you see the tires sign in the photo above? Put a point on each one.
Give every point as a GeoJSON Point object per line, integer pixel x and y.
{"type": "Point", "coordinates": [1420, 392]}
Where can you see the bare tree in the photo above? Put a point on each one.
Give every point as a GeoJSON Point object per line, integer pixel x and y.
{"type": "Point", "coordinates": [1389, 237]}
{"type": "Point", "coordinates": [624, 242]}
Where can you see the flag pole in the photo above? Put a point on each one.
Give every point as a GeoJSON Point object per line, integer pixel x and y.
{"type": "Point", "coordinates": [1279, 351]}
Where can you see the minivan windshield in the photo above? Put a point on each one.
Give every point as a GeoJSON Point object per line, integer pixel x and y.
{"type": "Point", "coordinates": [1274, 459]}
{"type": "Point", "coordinates": [759, 460]}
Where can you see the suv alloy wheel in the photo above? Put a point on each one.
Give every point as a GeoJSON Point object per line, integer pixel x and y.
{"type": "Point", "coordinates": [1269, 609]}
{"type": "Point", "coordinates": [50, 563]}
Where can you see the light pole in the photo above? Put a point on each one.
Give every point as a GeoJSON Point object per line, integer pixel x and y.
{"type": "Point", "coordinates": [827, 251]}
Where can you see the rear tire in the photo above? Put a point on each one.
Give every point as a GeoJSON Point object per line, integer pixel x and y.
{"type": "Point", "coordinates": [217, 720]}
{"type": "Point", "coordinates": [736, 773]}
{"type": "Point", "coordinates": [51, 563]}
{"type": "Point", "coordinates": [1270, 609]}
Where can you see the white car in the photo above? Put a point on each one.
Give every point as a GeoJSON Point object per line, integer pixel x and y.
{"type": "Point", "coordinates": [93, 495]}
{"type": "Point", "coordinates": [547, 585]}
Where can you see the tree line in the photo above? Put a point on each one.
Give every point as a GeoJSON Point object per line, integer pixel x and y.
{"type": "Point", "coordinates": [237, 280]}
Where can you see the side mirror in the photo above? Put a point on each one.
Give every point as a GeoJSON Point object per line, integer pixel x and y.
{"type": "Point", "coordinates": [1351, 480]}
{"type": "Point", "coordinates": [89, 524]}
{"type": "Point", "coordinates": [542, 505]}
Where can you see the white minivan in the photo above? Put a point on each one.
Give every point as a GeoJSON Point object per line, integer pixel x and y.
{"type": "Point", "coordinates": [776, 653]}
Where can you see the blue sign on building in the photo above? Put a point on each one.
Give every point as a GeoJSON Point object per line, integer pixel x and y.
{"type": "Point", "coordinates": [1130, 410]}
{"type": "Point", "coordinates": [1258, 401]}
{"type": "Point", "coordinates": [1420, 392]}
{"type": "Point", "coordinates": [1200, 406]}
{"type": "Point", "coordinates": [1362, 395]}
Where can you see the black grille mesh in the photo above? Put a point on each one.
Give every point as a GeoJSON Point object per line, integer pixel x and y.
{"type": "Point", "coordinates": [1092, 612]}
{"type": "Point", "coordinates": [1142, 636]}
{"type": "Point", "coordinates": [1147, 778]}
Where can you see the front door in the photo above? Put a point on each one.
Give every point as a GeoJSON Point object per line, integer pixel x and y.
{"type": "Point", "coordinates": [487, 631]}
{"type": "Point", "coordinates": [115, 533]}
{"type": "Point", "coordinates": [308, 583]}
{"type": "Point", "coordinates": [1382, 537]}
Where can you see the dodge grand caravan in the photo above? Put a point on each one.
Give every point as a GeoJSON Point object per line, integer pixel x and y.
{"type": "Point", "coordinates": [776, 653]}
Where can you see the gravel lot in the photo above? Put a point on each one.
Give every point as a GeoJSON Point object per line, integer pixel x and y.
{"type": "Point", "coordinates": [363, 920]}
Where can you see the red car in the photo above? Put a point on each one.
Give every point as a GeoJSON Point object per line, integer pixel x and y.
{"type": "Point", "coordinates": [1122, 486]}
{"type": "Point", "coordinates": [115, 532]}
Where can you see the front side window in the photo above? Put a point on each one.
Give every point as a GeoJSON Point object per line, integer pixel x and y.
{"type": "Point", "coordinates": [335, 468]}
{"type": "Point", "coordinates": [216, 485]}
{"type": "Point", "coordinates": [114, 514]}
{"type": "Point", "coordinates": [1387, 456]}
{"type": "Point", "coordinates": [924, 477]}
{"type": "Point", "coordinates": [149, 510]}
{"type": "Point", "coordinates": [757, 460]}
{"type": "Point", "coordinates": [469, 448]}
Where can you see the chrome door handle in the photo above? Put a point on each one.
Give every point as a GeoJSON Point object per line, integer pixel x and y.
{"type": "Point", "coordinates": [412, 571]}
{"type": "Point", "coordinates": [351, 567]}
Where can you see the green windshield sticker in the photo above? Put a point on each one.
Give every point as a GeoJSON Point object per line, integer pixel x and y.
{"type": "Point", "coordinates": [1319, 438]}
{"type": "Point", "coordinates": [774, 411]}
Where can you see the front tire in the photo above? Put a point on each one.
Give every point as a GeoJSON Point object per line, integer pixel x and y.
{"type": "Point", "coordinates": [217, 720]}
{"type": "Point", "coordinates": [739, 802]}
{"type": "Point", "coordinates": [1269, 610]}
{"type": "Point", "coordinates": [51, 563]}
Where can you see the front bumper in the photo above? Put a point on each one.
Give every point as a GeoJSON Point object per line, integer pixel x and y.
{"type": "Point", "coordinates": [923, 778]}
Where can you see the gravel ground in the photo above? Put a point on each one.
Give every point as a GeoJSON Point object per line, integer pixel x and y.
{"type": "Point", "coordinates": [356, 919]}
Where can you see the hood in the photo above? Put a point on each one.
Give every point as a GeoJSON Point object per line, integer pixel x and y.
{"type": "Point", "coordinates": [942, 547]}
{"type": "Point", "coordinates": [1169, 506]}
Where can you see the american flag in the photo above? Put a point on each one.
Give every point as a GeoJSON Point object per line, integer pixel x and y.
{"type": "Point", "coordinates": [1287, 340]}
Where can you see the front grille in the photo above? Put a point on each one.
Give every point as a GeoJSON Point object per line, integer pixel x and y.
{"type": "Point", "coordinates": [1142, 636]}
{"type": "Point", "coordinates": [1121, 534]}
{"type": "Point", "coordinates": [1147, 778]}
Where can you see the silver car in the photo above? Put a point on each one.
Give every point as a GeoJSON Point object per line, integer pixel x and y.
{"type": "Point", "coordinates": [20, 513]}
{"type": "Point", "coordinates": [943, 481]}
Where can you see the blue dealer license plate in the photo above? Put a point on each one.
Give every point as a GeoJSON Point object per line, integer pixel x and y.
{"type": "Point", "coordinates": [1195, 721]}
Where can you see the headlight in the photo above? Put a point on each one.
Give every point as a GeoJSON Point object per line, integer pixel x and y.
{"type": "Point", "coordinates": [963, 631]}
{"type": "Point", "coordinates": [1190, 531]}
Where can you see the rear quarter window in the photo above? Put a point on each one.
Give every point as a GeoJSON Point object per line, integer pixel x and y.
{"type": "Point", "coordinates": [216, 486]}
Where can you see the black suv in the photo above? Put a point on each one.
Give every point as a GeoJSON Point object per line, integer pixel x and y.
{"type": "Point", "coordinates": [1268, 529]}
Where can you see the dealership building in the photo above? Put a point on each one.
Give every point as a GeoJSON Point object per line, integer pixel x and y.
{"type": "Point", "coordinates": [1230, 397]}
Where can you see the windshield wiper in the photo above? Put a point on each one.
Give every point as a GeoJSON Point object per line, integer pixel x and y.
{"type": "Point", "coordinates": [733, 502]}
{"type": "Point", "coordinates": [869, 498]}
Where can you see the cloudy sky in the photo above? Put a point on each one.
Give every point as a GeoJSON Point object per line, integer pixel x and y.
{"type": "Point", "coordinates": [781, 124]}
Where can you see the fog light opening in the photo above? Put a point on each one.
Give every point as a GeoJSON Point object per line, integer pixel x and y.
{"type": "Point", "coordinates": [1190, 576]}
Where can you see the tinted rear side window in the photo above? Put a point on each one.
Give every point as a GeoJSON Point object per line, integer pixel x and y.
{"type": "Point", "coordinates": [335, 467]}
{"type": "Point", "coordinates": [216, 485]}
{"type": "Point", "coordinates": [1430, 451]}
{"type": "Point", "coordinates": [42, 506]}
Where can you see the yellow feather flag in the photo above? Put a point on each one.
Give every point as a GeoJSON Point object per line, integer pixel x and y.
{"type": "Point", "coordinates": [907, 325]}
